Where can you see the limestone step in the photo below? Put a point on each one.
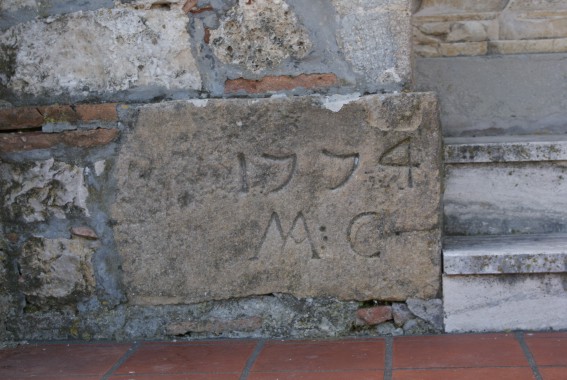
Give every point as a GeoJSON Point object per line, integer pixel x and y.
{"type": "Point", "coordinates": [505, 185]}
{"type": "Point", "coordinates": [495, 283]}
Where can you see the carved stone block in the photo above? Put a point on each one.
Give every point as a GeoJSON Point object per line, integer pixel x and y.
{"type": "Point", "coordinates": [310, 196]}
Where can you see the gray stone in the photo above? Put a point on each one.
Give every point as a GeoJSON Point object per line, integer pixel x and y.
{"type": "Point", "coordinates": [487, 96]}
{"type": "Point", "coordinates": [376, 39]}
{"type": "Point", "coordinates": [468, 150]}
{"type": "Point", "coordinates": [234, 198]}
{"type": "Point", "coordinates": [505, 254]}
{"type": "Point", "coordinates": [401, 313]}
{"type": "Point", "coordinates": [419, 327]}
{"type": "Point", "coordinates": [506, 198]}
{"type": "Point", "coordinates": [47, 189]}
{"type": "Point", "coordinates": [59, 55]}
{"type": "Point", "coordinates": [259, 35]}
{"type": "Point", "coordinates": [389, 329]}
{"type": "Point", "coordinates": [429, 310]}
{"type": "Point", "coordinates": [56, 271]}
{"type": "Point", "coordinates": [505, 302]}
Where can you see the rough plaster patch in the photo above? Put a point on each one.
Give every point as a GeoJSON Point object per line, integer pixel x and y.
{"type": "Point", "coordinates": [259, 35]}
{"type": "Point", "coordinates": [336, 102]}
{"type": "Point", "coordinates": [99, 167]}
{"type": "Point", "coordinates": [131, 49]}
{"type": "Point", "coordinates": [48, 188]}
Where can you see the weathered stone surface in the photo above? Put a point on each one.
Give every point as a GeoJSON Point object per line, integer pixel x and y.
{"type": "Point", "coordinates": [215, 326]}
{"type": "Point", "coordinates": [429, 310]}
{"type": "Point", "coordinates": [56, 271]}
{"type": "Point", "coordinates": [556, 45]}
{"type": "Point", "coordinates": [259, 35]}
{"type": "Point", "coordinates": [376, 39]}
{"type": "Point", "coordinates": [505, 302]}
{"type": "Point", "coordinates": [239, 197]}
{"type": "Point", "coordinates": [47, 189]}
{"type": "Point", "coordinates": [401, 313]}
{"type": "Point", "coordinates": [60, 56]}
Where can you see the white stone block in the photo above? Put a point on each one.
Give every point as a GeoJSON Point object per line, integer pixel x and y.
{"type": "Point", "coordinates": [505, 302]}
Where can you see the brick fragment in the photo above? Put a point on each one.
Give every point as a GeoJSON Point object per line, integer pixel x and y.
{"type": "Point", "coordinates": [97, 112]}
{"type": "Point", "coordinates": [84, 232]}
{"type": "Point", "coordinates": [215, 326]}
{"type": "Point", "coordinates": [20, 118]}
{"type": "Point", "coordinates": [16, 142]}
{"type": "Point", "coordinates": [34, 117]}
{"type": "Point", "coordinates": [280, 83]}
{"type": "Point", "coordinates": [58, 114]}
{"type": "Point", "coordinates": [374, 315]}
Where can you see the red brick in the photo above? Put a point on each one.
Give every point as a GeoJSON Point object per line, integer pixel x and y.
{"type": "Point", "coordinates": [20, 118]}
{"type": "Point", "coordinates": [215, 326]}
{"type": "Point", "coordinates": [15, 142]}
{"type": "Point", "coordinates": [102, 112]}
{"type": "Point", "coordinates": [374, 315]}
{"type": "Point", "coordinates": [280, 83]}
{"type": "Point", "coordinates": [58, 113]}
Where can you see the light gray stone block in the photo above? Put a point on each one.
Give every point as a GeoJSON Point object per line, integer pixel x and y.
{"type": "Point", "coordinates": [506, 198]}
{"type": "Point", "coordinates": [308, 196]}
{"type": "Point", "coordinates": [468, 150]}
{"type": "Point", "coordinates": [505, 302]}
{"type": "Point", "coordinates": [505, 254]}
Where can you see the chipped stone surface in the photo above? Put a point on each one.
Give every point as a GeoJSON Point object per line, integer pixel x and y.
{"type": "Point", "coordinates": [60, 56]}
{"type": "Point", "coordinates": [47, 189]}
{"type": "Point", "coordinates": [279, 195]}
{"type": "Point", "coordinates": [56, 271]}
{"type": "Point", "coordinates": [259, 35]}
{"type": "Point", "coordinates": [376, 39]}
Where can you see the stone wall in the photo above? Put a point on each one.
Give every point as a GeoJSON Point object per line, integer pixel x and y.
{"type": "Point", "coordinates": [450, 28]}
{"type": "Point", "coordinates": [139, 202]}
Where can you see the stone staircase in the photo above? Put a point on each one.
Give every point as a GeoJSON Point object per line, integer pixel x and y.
{"type": "Point", "coordinates": [505, 251]}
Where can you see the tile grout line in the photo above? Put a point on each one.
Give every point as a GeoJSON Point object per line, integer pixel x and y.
{"type": "Point", "coordinates": [131, 351]}
{"type": "Point", "coordinates": [528, 354]}
{"type": "Point", "coordinates": [252, 359]}
{"type": "Point", "coordinates": [388, 358]}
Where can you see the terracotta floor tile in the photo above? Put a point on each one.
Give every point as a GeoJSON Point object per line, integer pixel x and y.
{"type": "Point", "coordinates": [449, 351]}
{"type": "Point", "coordinates": [350, 375]}
{"type": "Point", "coordinates": [59, 361]}
{"type": "Point", "coordinates": [193, 376]}
{"type": "Point", "coordinates": [553, 373]}
{"type": "Point", "coordinates": [548, 349]}
{"type": "Point", "coordinates": [465, 374]}
{"type": "Point", "coordinates": [321, 356]}
{"type": "Point", "coordinates": [183, 358]}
